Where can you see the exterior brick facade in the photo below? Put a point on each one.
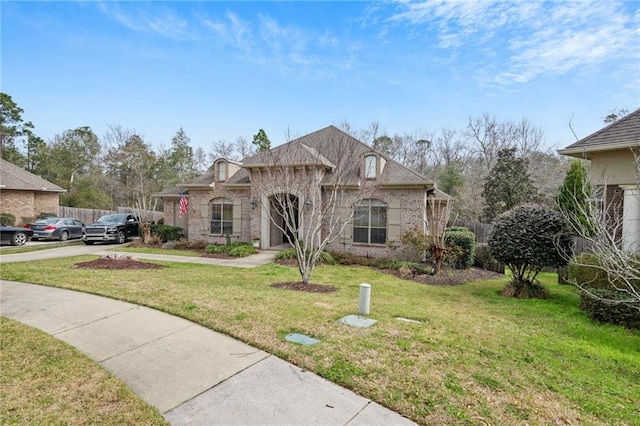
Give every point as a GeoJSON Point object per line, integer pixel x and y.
{"type": "Point", "coordinates": [303, 175]}
{"type": "Point", "coordinates": [25, 205]}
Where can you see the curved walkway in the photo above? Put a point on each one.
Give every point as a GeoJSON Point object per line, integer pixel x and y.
{"type": "Point", "coordinates": [193, 375]}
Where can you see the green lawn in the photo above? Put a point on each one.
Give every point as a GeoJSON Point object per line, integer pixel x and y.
{"type": "Point", "coordinates": [46, 381]}
{"type": "Point", "coordinates": [475, 358]}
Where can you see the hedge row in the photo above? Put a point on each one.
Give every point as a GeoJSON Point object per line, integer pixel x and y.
{"type": "Point", "coordinates": [599, 299]}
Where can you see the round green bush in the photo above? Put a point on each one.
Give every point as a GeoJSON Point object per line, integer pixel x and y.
{"type": "Point", "coordinates": [527, 239]}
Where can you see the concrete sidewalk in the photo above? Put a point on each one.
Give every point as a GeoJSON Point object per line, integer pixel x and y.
{"type": "Point", "coordinates": [193, 375]}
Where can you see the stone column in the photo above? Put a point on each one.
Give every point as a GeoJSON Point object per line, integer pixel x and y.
{"type": "Point", "coordinates": [631, 218]}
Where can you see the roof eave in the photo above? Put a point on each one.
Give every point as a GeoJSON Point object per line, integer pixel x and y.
{"type": "Point", "coordinates": [584, 151]}
{"type": "Point", "coordinates": [397, 185]}
{"type": "Point", "coordinates": [237, 185]}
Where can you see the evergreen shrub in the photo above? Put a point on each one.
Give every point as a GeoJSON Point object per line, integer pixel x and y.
{"type": "Point", "coordinates": [7, 219]}
{"type": "Point", "coordinates": [461, 244]}
{"type": "Point", "coordinates": [166, 232]}
{"type": "Point", "coordinates": [625, 313]}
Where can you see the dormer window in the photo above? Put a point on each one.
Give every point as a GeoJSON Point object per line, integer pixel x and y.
{"type": "Point", "coordinates": [370, 167]}
{"type": "Point", "coordinates": [222, 171]}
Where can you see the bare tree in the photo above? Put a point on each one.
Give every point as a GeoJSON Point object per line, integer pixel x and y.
{"type": "Point", "coordinates": [311, 195]}
{"type": "Point", "coordinates": [235, 151]}
{"type": "Point", "coordinates": [431, 239]}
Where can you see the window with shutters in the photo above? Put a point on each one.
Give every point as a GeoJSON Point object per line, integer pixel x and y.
{"type": "Point", "coordinates": [370, 222]}
{"type": "Point", "coordinates": [221, 216]}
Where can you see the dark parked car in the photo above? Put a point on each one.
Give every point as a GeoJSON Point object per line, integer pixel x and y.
{"type": "Point", "coordinates": [14, 235]}
{"type": "Point", "coordinates": [117, 228]}
{"type": "Point", "coordinates": [56, 228]}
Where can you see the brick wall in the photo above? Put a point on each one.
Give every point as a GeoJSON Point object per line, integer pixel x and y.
{"type": "Point", "coordinates": [25, 205]}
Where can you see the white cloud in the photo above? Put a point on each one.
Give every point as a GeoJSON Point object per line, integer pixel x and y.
{"type": "Point", "coordinates": [159, 20]}
{"type": "Point", "coordinates": [530, 38]}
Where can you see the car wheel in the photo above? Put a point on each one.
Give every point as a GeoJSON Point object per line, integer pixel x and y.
{"type": "Point", "coordinates": [121, 237]}
{"type": "Point", "coordinates": [18, 239]}
{"type": "Point", "coordinates": [89, 243]}
{"type": "Point", "coordinates": [64, 236]}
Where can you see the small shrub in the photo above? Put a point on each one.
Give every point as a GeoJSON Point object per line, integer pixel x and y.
{"type": "Point", "coordinates": [242, 250]}
{"type": "Point", "coordinates": [584, 271]}
{"type": "Point", "coordinates": [286, 254]}
{"type": "Point", "coordinates": [7, 219]}
{"type": "Point", "coordinates": [415, 267]}
{"type": "Point", "coordinates": [216, 248]}
{"type": "Point", "coordinates": [625, 312]}
{"type": "Point", "coordinates": [461, 247]}
{"type": "Point", "coordinates": [290, 253]}
{"type": "Point", "coordinates": [166, 232]}
{"type": "Point", "coordinates": [483, 259]}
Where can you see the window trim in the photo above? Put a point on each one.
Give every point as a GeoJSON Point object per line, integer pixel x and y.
{"type": "Point", "coordinates": [370, 203]}
{"type": "Point", "coordinates": [221, 202]}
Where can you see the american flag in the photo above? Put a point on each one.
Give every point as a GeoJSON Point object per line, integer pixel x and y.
{"type": "Point", "coordinates": [184, 204]}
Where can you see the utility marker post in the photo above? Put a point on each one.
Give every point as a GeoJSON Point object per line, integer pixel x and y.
{"type": "Point", "coordinates": [365, 299]}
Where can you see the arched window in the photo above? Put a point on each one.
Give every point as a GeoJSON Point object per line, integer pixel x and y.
{"type": "Point", "coordinates": [221, 216]}
{"type": "Point", "coordinates": [370, 167]}
{"type": "Point", "coordinates": [370, 222]}
{"type": "Point", "coordinates": [222, 171]}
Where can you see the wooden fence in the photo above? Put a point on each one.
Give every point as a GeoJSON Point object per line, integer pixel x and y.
{"type": "Point", "coordinates": [482, 232]}
{"type": "Point", "coordinates": [87, 216]}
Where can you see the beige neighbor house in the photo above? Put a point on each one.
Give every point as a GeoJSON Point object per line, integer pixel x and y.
{"type": "Point", "coordinates": [614, 152]}
{"type": "Point", "coordinates": [326, 184]}
{"type": "Point", "coordinates": [25, 195]}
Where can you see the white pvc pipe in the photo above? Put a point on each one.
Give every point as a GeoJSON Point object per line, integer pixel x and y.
{"type": "Point", "coordinates": [365, 299]}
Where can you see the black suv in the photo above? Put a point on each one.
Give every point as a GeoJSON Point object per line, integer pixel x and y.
{"type": "Point", "coordinates": [117, 228]}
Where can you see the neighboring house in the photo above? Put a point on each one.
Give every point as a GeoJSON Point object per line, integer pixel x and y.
{"type": "Point", "coordinates": [25, 195]}
{"type": "Point", "coordinates": [243, 199]}
{"type": "Point", "coordinates": [614, 152]}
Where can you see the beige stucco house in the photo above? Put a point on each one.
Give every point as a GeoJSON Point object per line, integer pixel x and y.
{"type": "Point", "coordinates": [614, 153]}
{"type": "Point", "coordinates": [25, 195]}
{"type": "Point", "coordinates": [326, 184]}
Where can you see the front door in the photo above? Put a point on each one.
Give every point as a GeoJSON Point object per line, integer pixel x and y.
{"type": "Point", "coordinates": [285, 219]}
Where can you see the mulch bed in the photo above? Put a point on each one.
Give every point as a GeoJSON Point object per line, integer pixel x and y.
{"type": "Point", "coordinates": [117, 264]}
{"type": "Point", "coordinates": [449, 277]}
{"type": "Point", "coordinates": [308, 287]}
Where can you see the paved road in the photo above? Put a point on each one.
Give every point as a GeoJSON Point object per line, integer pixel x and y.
{"type": "Point", "coordinates": [193, 375]}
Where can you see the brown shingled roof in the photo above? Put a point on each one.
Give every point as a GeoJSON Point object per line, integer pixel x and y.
{"type": "Point", "coordinates": [14, 177]}
{"type": "Point", "coordinates": [621, 134]}
{"type": "Point", "coordinates": [326, 147]}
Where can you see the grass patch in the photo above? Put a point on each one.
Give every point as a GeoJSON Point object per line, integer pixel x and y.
{"type": "Point", "coordinates": [159, 250]}
{"type": "Point", "coordinates": [478, 357]}
{"type": "Point", "coordinates": [46, 381]}
{"type": "Point", "coordinates": [27, 249]}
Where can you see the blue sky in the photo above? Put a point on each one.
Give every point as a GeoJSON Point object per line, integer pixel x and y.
{"type": "Point", "coordinates": [222, 70]}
